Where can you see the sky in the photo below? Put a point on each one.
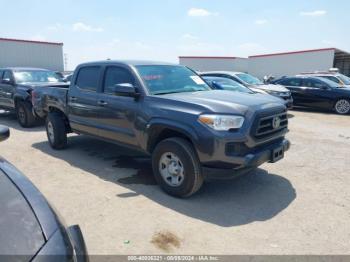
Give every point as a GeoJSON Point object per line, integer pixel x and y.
{"type": "Point", "coordinates": [162, 30]}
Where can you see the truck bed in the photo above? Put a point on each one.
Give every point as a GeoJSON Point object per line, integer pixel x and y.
{"type": "Point", "coordinates": [45, 97]}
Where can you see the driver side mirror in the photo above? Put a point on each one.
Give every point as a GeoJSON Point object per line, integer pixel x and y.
{"type": "Point", "coordinates": [125, 89]}
{"type": "Point", "coordinates": [4, 133]}
{"type": "Point", "coordinates": [216, 86]}
{"type": "Point", "coordinates": [7, 81]}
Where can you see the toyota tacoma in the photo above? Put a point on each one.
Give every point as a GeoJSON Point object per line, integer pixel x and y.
{"type": "Point", "coordinates": [167, 111]}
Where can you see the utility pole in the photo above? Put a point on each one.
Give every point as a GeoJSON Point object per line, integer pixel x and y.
{"type": "Point", "coordinates": [65, 57]}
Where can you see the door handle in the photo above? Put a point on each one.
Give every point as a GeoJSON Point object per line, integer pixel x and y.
{"type": "Point", "coordinates": [73, 99]}
{"type": "Point", "coordinates": [102, 103]}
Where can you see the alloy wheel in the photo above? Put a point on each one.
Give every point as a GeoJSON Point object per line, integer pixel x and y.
{"type": "Point", "coordinates": [342, 106]}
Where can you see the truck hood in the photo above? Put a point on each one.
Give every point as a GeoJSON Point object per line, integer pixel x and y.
{"type": "Point", "coordinates": [221, 101]}
{"type": "Point", "coordinates": [269, 87]}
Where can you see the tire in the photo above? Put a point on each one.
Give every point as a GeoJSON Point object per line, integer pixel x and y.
{"type": "Point", "coordinates": [342, 106]}
{"type": "Point", "coordinates": [56, 131]}
{"type": "Point", "coordinates": [25, 115]}
{"type": "Point", "coordinates": [188, 179]}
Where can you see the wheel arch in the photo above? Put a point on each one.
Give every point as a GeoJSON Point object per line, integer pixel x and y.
{"type": "Point", "coordinates": [52, 109]}
{"type": "Point", "coordinates": [160, 131]}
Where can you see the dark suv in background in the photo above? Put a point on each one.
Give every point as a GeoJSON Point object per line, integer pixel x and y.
{"type": "Point", "coordinates": [317, 92]}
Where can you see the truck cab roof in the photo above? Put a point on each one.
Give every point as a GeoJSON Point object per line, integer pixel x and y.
{"type": "Point", "coordinates": [126, 62]}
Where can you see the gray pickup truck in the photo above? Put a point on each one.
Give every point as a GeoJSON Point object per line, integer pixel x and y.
{"type": "Point", "coordinates": [16, 86]}
{"type": "Point", "coordinates": [168, 112]}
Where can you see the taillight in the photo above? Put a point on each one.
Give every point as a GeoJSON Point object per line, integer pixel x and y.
{"type": "Point", "coordinates": [32, 96]}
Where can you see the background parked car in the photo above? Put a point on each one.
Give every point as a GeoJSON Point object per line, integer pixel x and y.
{"type": "Point", "coordinates": [30, 229]}
{"type": "Point", "coordinates": [255, 84]}
{"type": "Point", "coordinates": [222, 83]}
{"type": "Point", "coordinates": [338, 78]}
{"type": "Point", "coordinates": [16, 86]}
{"type": "Point", "coordinates": [318, 92]}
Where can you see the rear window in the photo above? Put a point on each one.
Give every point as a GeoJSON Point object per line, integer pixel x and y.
{"type": "Point", "coordinates": [88, 78]}
{"type": "Point", "coordinates": [332, 78]}
{"type": "Point", "coordinates": [20, 230]}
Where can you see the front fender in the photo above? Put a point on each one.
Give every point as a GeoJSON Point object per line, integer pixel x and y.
{"type": "Point", "coordinates": [157, 125]}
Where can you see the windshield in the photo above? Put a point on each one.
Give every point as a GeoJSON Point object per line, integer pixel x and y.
{"type": "Point", "coordinates": [165, 79]}
{"type": "Point", "coordinates": [249, 79]}
{"type": "Point", "coordinates": [344, 79]}
{"type": "Point", "coordinates": [35, 76]}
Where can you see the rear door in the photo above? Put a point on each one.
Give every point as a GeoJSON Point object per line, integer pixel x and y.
{"type": "Point", "coordinates": [82, 100]}
{"type": "Point", "coordinates": [117, 113]}
{"type": "Point", "coordinates": [7, 90]}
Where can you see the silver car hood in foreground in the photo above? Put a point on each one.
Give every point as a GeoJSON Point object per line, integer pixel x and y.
{"type": "Point", "coordinates": [269, 87]}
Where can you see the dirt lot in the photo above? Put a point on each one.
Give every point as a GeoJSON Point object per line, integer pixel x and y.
{"type": "Point", "coordinates": [300, 205]}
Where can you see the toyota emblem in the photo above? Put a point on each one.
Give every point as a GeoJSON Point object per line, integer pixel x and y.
{"type": "Point", "coordinates": [276, 122]}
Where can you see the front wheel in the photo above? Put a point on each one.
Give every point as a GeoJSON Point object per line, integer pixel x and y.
{"type": "Point", "coordinates": [342, 106]}
{"type": "Point", "coordinates": [176, 167]}
{"type": "Point", "coordinates": [56, 131]}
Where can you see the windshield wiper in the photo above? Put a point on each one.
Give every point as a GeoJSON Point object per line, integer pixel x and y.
{"type": "Point", "coordinates": [174, 92]}
{"type": "Point", "coordinates": [166, 93]}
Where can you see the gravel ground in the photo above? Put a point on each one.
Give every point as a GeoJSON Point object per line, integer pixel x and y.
{"type": "Point", "coordinates": [300, 205]}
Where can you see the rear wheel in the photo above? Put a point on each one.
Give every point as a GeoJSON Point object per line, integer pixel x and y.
{"type": "Point", "coordinates": [342, 106]}
{"type": "Point", "coordinates": [56, 131]}
{"type": "Point", "coordinates": [25, 115]}
{"type": "Point", "coordinates": [176, 167]}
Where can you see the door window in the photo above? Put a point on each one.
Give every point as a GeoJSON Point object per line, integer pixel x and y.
{"type": "Point", "coordinates": [88, 78]}
{"type": "Point", "coordinates": [290, 82]}
{"type": "Point", "coordinates": [117, 75]}
{"type": "Point", "coordinates": [332, 78]}
{"type": "Point", "coordinates": [7, 75]}
{"type": "Point", "coordinates": [314, 83]}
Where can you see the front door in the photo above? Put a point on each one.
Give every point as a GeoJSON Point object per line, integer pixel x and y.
{"type": "Point", "coordinates": [117, 113]}
{"type": "Point", "coordinates": [316, 93]}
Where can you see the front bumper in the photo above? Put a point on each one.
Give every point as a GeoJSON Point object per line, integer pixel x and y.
{"type": "Point", "coordinates": [243, 164]}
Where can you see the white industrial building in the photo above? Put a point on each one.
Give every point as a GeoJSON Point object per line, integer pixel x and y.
{"type": "Point", "coordinates": [278, 64]}
{"type": "Point", "coordinates": [27, 53]}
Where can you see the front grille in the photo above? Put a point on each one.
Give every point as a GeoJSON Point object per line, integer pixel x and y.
{"type": "Point", "coordinates": [269, 125]}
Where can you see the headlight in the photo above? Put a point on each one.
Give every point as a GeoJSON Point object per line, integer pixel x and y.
{"type": "Point", "coordinates": [222, 122]}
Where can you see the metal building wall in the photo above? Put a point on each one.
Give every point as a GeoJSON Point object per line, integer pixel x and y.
{"type": "Point", "coordinates": [31, 54]}
{"type": "Point", "coordinates": [215, 63]}
{"type": "Point", "coordinates": [291, 63]}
